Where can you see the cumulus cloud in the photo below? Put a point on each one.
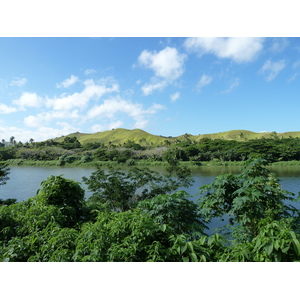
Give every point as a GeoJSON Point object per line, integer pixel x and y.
{"type": "Point", "coordinates": [113, 106]}
{"type": "Point", "coordinates": [148, 88]}
{"type": "Point", "coordinates": [68, 82]}
{"type": "Point", "coordinates": [174, 97]}
{"type": "Point", "coordinates": [80, 100]}
{"type": "Point", "coordinates": [102, 127]}
{"type": "Point", "coordinates": [204, 80]}
{"type": "Point", "coordinates": [28, 100]}
{"type": "Point", "coordinates": [272, 69]}
{"type": "Point", "coordinates": [167, 65]}
{"type": "Point", "coordinates": [39, 134]}
{"type": "Point", "coordinates": [238, 49]}
{"type": "Point", "coordinates": [18, 82]}
{"type": "Point", "coordinates": [47, 117]}
{"type": "Point", "coordinates": [5, 109]}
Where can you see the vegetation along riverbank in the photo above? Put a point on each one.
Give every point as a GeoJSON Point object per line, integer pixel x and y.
{"type": "Point", "coordinates": [136, 147]}
{"type": "Point", "coordinates": [141, 215]}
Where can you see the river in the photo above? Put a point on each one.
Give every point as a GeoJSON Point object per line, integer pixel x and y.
{"type": "Point", "coordinates": [25, 181]}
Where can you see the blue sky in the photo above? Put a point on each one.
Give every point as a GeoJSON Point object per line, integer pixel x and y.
{"type": "Point", "coordinates": [167, 86]}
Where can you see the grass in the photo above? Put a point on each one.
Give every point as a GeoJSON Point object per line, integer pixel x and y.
{"type": "Point", "coordinates": [120, 136]}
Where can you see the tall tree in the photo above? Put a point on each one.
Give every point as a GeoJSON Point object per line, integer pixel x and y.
{"type": "Point", "coordinates": [4, 171]}
{"type": "Point", "coordinates": [122, 190]}
{"type": "Point", "coordinates": [247, 198]}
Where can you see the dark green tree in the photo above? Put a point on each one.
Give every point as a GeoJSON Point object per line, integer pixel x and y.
{"type": "Point", "coordinates": [4, 171]}
{"type": "Point", "coordinates": [66, 194]}
{"type": "Point", "coordinates": [247, 198]}
{"type": "Point", "coordinates": [70, 143]}
{"type": "Point", "coordinates": [122, 190]}
{"type": "Point", "coordinates": [175, 210]}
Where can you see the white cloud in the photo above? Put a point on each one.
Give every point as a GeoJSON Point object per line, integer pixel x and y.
{"type": "Point", "coordinates": [18, 81]}
{"type": "Point", "coordinates": [113, 106]}
{"type": "Point", "coordinates": [148, 88]}
{"type": "Point", "coordinates": [38, 134]}
{"type": "Point", "coordinates": [68, 82]}
{"type": "Point", "coordinates": [32, 121]}
{"type": "Point", "coordinates": [204, 80]}
{"type": "Point", "coordinates": [47, 117]}
{"type": "Point", "coordinates": [235, 83]}
{"type": "Point", "coordinates": [28, 100]}
{"type": "Point", "coordinates": [279, 44]}
{"type": "Point", "coordinates": [89, 71]}
{"type": "Point", "coordinates": [80, 100]}
{"type": "Point", "coordinates": [175, 97]}
{"type": "Point", "coordinates": [272, 69]}
{"type": "Point", "coordinates": [167, 63]}
{"type": "Point", "coordinates": [4, 109]}
{"type": "Point", "coordinates": [98, 127]}
{"type": "Point", "coordinates": [238, 49]}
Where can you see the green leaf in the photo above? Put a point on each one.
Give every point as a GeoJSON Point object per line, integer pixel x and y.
{"type": "Point", "coordinates": [296, 243]}
{"type": "Point", "coordinates": [183, 248]}
{"type": "Point", "coordinates": [193, 257]}
{"type": "Point", "coordinates": [269, 248]}
{"type": "Point", "coordinates": [190, 245]}
{"type": "Point", "coordinates": [163, 227]}
{"type": "Point", "coordinates": [276, 245]}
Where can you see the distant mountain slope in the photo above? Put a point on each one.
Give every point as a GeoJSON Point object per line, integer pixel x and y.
{"type": "Point", "coordinates": [120, 136]}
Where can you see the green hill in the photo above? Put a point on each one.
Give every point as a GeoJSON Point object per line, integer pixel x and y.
{"type": "Point", "coordinates": [120, 136]}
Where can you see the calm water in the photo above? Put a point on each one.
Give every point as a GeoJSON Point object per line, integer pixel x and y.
{"type": "Point", "coordinates": [25, 181]}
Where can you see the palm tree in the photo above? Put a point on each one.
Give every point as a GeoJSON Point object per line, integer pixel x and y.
{"type": "Point", "coordinates": [11, 140]}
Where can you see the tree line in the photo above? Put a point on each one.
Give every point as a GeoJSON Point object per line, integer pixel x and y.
{"type": "Point", "coordinates": [141, 215]}
{"type": "Point", "coordinates": [70, 149]}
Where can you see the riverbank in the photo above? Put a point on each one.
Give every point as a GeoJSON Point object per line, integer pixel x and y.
{"type": "Point", "coordinates": [141, 163]}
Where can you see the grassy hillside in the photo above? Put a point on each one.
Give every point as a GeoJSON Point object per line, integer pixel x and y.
{"type": "Point", "coordinates": [120, 136]}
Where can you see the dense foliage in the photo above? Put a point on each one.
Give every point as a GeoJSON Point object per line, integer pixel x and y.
{"type": "Point", "coordinates": [140, 215]}
{"type": "Point", "coordinates": [70, 150]}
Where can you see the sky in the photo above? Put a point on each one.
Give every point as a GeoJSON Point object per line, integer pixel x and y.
{"type": "Point", "coordinates": [51, 87]}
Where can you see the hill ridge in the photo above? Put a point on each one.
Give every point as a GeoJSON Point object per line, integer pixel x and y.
{"type": "Point", "coordinates": [119, 136]}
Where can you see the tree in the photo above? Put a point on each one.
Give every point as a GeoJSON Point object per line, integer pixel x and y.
{"type": "Point", "coordinates": [70, 143]}
{"type": "Point", "coordinates": [129, 236]}
{"type": "Point", "coordinates": [4, 171]}
{"type": "Point", "coordinates": [122, 190]}
{"type": "Point", "coordinates": [247, 198]}
{"type": "Point", "coordinates": [275, 242]}
{"type": "Point", "coordinates": [66, 194]}
{"type": "Point", "coordinates": [175, 210]}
